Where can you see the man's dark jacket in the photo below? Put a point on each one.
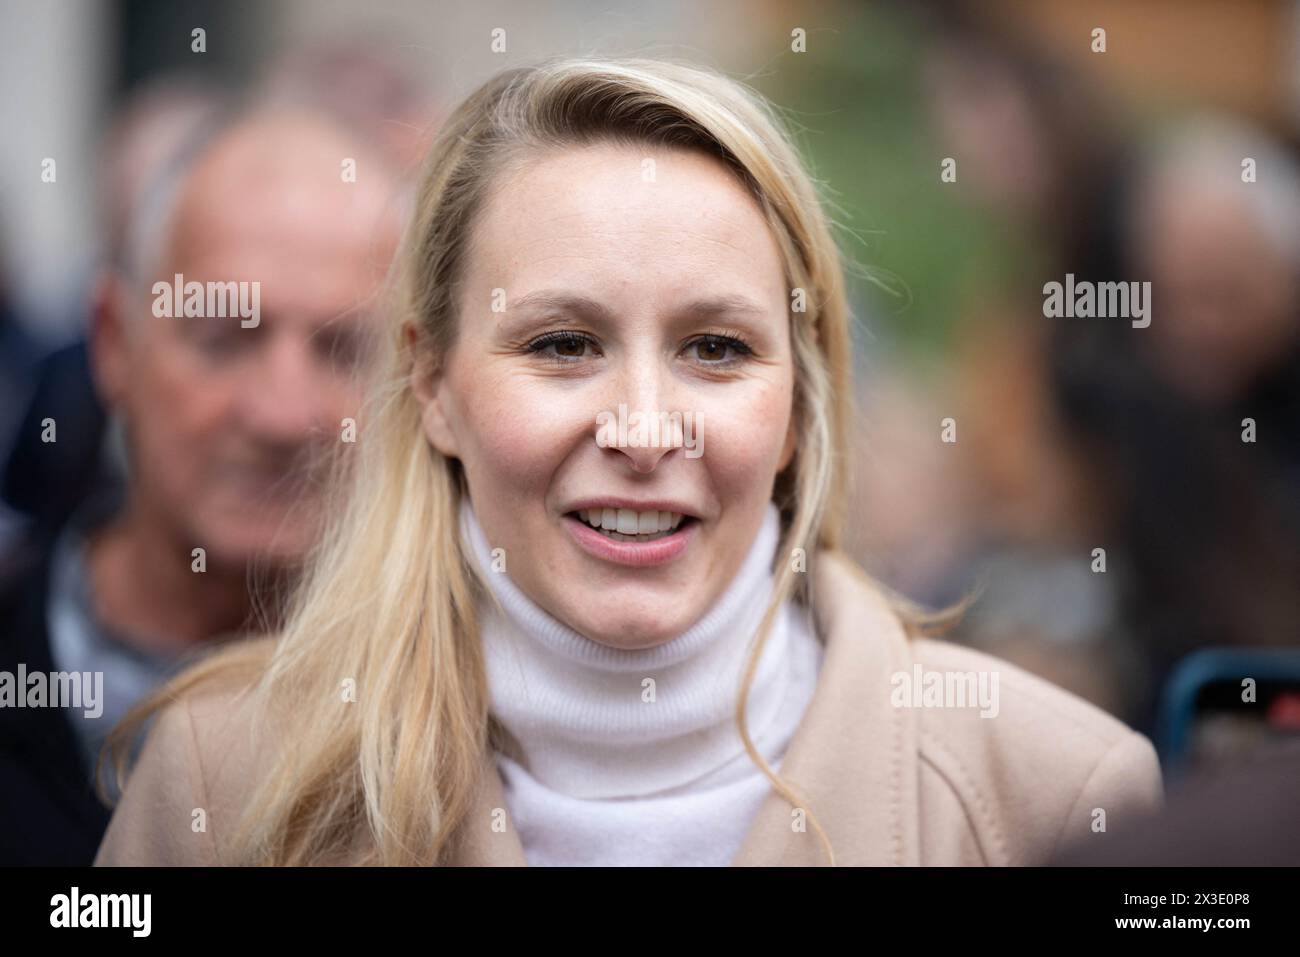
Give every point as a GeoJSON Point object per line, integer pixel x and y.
{"type": "Point", "coordinates": [49, 813]}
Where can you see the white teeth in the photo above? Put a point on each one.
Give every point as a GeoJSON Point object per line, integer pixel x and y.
{"type": "Point", "coordinates": [669, 520]}
{"type": "Point", "coordinates": [627, 522]}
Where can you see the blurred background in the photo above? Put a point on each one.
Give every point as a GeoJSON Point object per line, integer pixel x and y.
{"type": "Point", "coordinates": [1128, 534]}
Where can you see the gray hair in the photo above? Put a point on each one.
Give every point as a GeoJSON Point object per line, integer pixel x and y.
{"type": "Point", "coordinates": [149, 221]}
{"type": "Point", "coordinates": [1210, 149]}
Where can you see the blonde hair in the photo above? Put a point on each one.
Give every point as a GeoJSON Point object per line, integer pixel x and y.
{"type": "Point", "coordinates": [391, 593]}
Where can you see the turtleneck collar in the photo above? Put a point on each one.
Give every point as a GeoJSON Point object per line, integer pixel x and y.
{"type": "Point", "coordinates": [587, 716]}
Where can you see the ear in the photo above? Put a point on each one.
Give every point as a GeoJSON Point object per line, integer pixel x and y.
{"type": "Point", "coordinates": [109, 338]}
{"type": "Point", "coordinates": [429, 385]}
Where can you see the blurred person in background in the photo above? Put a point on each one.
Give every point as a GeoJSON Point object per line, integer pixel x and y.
{"type": "Point", "coordinates": [44, 482]}
{"type": "Point", "coordinates": [358, 82]}
{"type": "Point", "coordinates": [223, 427]}
{"type": "Point", "coordinates": [1204, 533]}
{"type": "Point", "coordinates": [1007, 511]}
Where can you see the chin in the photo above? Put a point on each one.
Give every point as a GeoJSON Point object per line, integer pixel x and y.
{"type": "Point", "coordinates": [236, 548]}
{"type": "Point", "coordinates": [631, 634]}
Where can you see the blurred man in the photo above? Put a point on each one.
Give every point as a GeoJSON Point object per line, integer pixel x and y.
{"type": "Point", "coordinates": [1195, 421]}
{"type": "Point", "coordinates": [224, 421]}
{"type": "Point", "coordinates": [44, 482]}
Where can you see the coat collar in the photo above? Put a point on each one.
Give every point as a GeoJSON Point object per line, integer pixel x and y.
{"type": "Point", "coordinates": [852, 758]}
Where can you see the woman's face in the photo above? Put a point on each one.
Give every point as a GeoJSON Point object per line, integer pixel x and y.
{"type": "Point", "coordinates": [608, 275]}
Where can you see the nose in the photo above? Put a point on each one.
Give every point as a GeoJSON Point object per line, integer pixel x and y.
{"type": "Point", "coordinates": [282, 405]}
{"type": "Point", "coordinates": [636, 420]}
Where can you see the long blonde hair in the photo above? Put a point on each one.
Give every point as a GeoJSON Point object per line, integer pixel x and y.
{"type": "Point", "coordinates": [390, 596]}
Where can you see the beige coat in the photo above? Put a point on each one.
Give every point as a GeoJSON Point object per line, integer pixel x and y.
{"type": "Point", "coordinates": [891, 782]}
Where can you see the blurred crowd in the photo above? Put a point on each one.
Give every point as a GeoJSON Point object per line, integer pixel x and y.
{"type": "Point", "coordinates": [1105, 500]}
{"type": "Point", "coordinates": [1118, 498]}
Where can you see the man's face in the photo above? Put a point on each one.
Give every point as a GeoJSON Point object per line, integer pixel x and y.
{"type": "Point", "coordinates": [226, 420]}
{"type": "Point", "coordinates": [1225, 292]}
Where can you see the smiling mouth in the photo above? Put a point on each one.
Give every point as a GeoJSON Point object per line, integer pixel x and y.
{"type": "Point", "coordinates": [628, 525]}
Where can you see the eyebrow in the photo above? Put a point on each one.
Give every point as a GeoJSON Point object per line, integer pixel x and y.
{"type": "Point", "coordinates": [588, 308]}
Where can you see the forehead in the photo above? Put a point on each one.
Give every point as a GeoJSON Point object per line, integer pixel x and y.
{"type": "Point", "coordinates": [270, 205]}
{"type": "Point", "coordinates": [624, 218]}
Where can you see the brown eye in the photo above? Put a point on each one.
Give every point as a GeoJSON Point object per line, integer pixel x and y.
{"type": "Point", "coordinates": [572, 347]}
{"type": "Point", "coordinates": [562, 346]}
{"type": "Point", "coordinates": [713, 350]}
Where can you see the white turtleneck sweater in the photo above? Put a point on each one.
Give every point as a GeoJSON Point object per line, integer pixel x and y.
{"type": "Point", "coordinates": [612, 778]}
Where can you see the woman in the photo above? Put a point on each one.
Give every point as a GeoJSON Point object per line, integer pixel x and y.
{"type": "Point", "coordinates": [534, 636]}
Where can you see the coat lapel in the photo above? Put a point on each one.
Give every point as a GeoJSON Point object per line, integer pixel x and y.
{"type": "Point", "coordinates": [488, 838]}
{"type": "Point", "coordinates": [852, 758]}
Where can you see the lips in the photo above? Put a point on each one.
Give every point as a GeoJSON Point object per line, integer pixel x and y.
{"type": "Point", "coordinates": [596, 531]}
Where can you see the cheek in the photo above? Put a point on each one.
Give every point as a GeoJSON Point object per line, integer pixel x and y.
{"type": "Point", "coordinates": [341, 396]}
{"type": "Point", "coordinates": [744, 435]}
{"type": "Point", "coordinates": [171, 404]}
{"type": "Point", "coordinates": [514, 437]}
